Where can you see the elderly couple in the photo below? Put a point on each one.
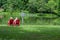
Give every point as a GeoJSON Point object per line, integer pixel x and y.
{"type": "Point", "coordinates": [14, 22]}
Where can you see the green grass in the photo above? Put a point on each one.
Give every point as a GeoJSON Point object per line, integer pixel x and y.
{"type": "Point", "coordinates": [30, 32]}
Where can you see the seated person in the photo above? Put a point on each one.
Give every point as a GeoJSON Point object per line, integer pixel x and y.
{"type": "Point", "coordinates": [16, 22]}
{"type": "Point", "coordinates": [10, 22]}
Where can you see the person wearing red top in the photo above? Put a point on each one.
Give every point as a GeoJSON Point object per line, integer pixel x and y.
{"type": "Point", "coordinates": [16, 22]}
{"type": "Point", "coordinates": [10, 22]}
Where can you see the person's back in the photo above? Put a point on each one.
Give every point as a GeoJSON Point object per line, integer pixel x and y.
{"type": "Point", "coordinates": [10, 22]}
{"type": "Point", "coordinates": [16, 22]}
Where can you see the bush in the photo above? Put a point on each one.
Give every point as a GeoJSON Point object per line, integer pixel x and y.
{"type": "Point", "coordinates": [56, 21]}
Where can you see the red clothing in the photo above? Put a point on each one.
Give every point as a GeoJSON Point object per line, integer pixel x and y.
{"type": "Point", "coordinates": [16, 22]}
{"type": "Point", "coordinates": [10, 22]}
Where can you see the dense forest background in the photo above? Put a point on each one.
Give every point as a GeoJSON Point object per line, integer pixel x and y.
{"type": "Point", "coordinates": [37, 11]}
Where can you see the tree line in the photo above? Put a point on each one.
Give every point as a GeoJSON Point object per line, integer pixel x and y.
{"type": "Point", "coordinates": [33, 6]}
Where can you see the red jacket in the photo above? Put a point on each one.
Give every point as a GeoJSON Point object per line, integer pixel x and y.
{"type": "Point", "coordinates": [10, 22]}
{"type": "Point", "coordinates": [16, 22]}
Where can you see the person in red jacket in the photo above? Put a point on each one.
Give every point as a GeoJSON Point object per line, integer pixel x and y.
{"type": "Point", "coordinates": [10, 21]}
{"type": "Point", "coordinates": [16, 22]}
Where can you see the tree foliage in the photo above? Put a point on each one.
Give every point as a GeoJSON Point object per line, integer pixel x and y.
{"type": "Point", "coordinates": [34, 6]}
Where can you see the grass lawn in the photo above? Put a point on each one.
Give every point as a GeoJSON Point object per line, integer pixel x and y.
{"type": "Point", "coordinates": [30, 32]}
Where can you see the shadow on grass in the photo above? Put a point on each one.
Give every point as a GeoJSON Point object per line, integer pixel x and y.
{"type": "Point", "coordinates": [17, 33]}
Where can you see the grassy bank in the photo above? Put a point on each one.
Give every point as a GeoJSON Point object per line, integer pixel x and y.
{"type": "Point", "coordinates": [30, 32]}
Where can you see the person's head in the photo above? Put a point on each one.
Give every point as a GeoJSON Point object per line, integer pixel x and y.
{"type": "Point", "coordinates": [11, 17]}
{"type": "Point", "coordinates": [16, 18]}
